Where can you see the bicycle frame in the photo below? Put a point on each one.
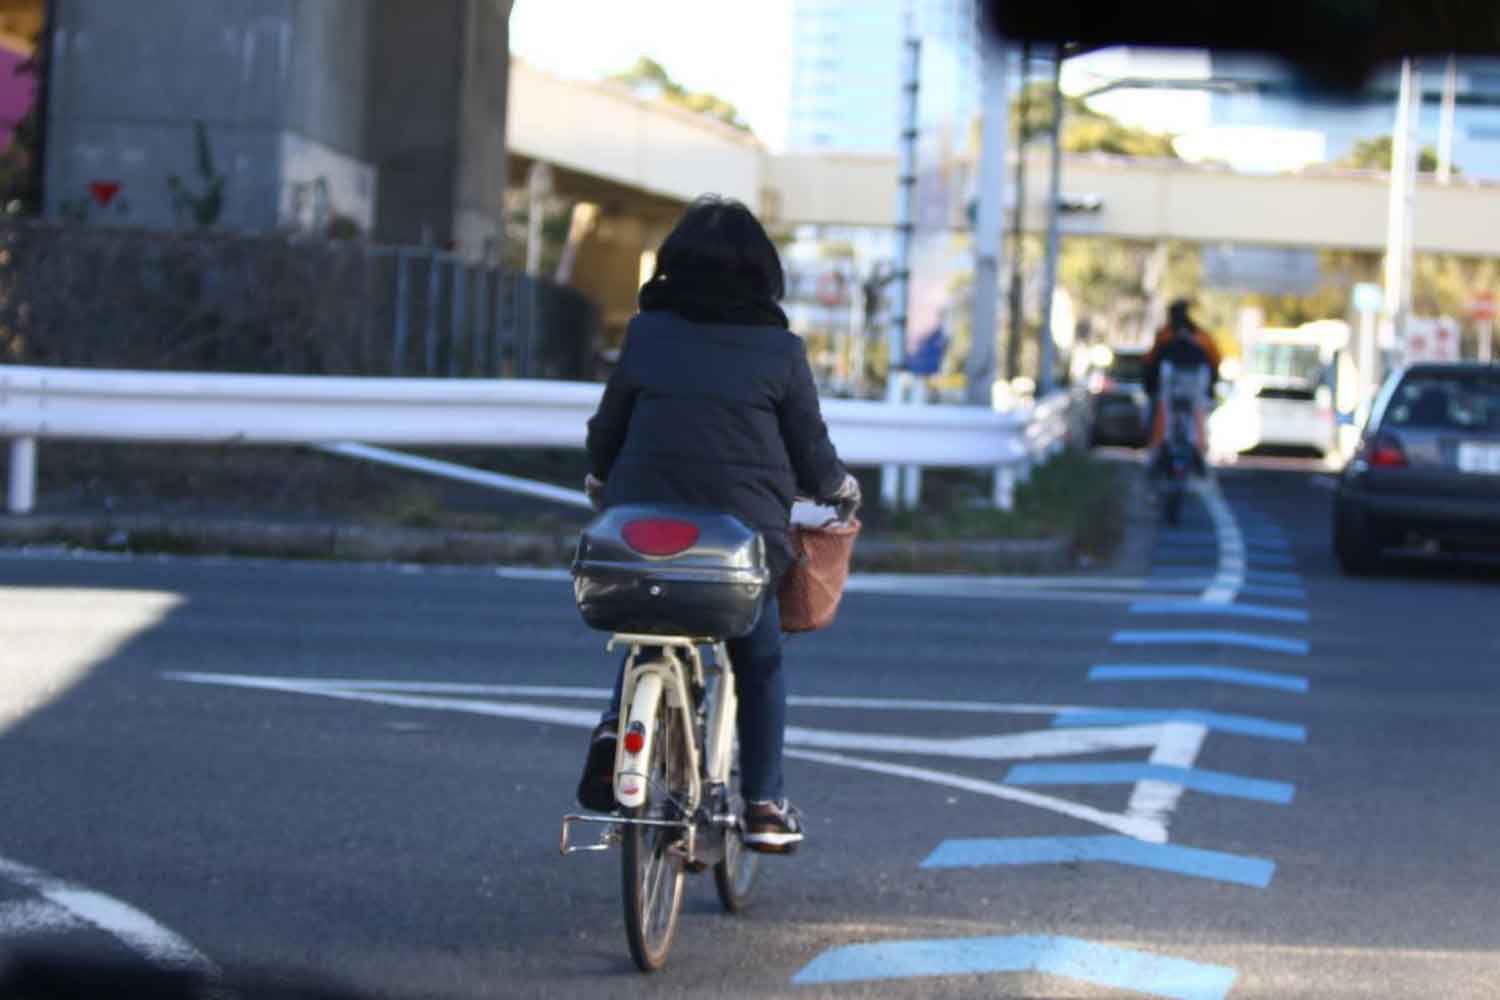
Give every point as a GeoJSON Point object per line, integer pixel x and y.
{"type": "Point", "coordinates": [676, 668]}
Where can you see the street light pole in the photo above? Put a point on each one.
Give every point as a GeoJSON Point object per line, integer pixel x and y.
{"type": "Point", "coordinates": [1049, 270]}
{"type": "Point", "coordinates": [989, 225]}
{"type": "Point", "coordinates": [1401, 208]}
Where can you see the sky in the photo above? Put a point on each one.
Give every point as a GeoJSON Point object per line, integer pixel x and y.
{"type": "Point", "coordinates": [737, 49]}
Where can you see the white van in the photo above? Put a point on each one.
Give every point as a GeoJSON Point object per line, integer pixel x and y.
{"type": "Point", "coordinates": [1284, 397]}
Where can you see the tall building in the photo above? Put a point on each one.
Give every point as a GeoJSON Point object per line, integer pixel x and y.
{"type": "Point", "coordinates": [847, 65]}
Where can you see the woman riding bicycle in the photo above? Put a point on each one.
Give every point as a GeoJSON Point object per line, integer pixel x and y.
{"type": "Point", "coordinates": [713, 404]}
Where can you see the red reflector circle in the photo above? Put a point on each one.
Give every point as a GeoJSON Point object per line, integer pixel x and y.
{"type": "Point", "coordinates": [635, 741]}
{"type": "Point", "coordinates": [659, 536]}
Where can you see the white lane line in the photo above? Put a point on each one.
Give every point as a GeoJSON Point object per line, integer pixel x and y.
{"type": "Point", "coordinates": [1141, 828]}
{"type": "Point", "coordinates": [1231, 572]}
{"type": "Point", "coordinates": [310, 685]}
{"type": "Point", "coordinates": [1053, 742]}
{"type": "Point", "coordinates": [134, 929]}
{"type": "Point", "coordinates": [1008, 746]}
{"type": "Point", "coordinates": [954, 585]}
{"type": "Point", "coordinates": [28, 916]}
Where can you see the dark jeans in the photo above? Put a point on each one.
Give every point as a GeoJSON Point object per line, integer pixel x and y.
{"type": "Point", "coordinates": [760, 686]}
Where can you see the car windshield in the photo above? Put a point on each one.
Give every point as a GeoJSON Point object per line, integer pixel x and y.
{"type": "Point", "coordinates": [1447, 402]}
{"type": "Point", "coordinates": [1293, 362]}
{"type": "Point", "coordinates": [1128, 368]}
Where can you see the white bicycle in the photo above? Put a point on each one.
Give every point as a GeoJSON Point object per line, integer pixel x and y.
{"type": "Point", "coordinates": [676, 763]}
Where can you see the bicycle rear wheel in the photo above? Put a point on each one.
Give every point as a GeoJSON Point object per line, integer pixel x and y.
{"type": "Point", "coordinates": [652, 864]}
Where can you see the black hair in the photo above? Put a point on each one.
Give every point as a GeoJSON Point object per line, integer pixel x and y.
{"type": "Point", "coordinates": [718, 266]}
{"type": "Point", "coordinates": [1177, 313]}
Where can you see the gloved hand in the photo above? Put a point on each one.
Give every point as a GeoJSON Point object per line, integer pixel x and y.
{"type": "Point", "coordinates": [595, 490]}
{"type": "Point", "coordinates": [846, 500]}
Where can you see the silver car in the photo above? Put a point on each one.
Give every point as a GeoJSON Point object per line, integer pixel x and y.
{"type": "Point", "coordinates": [1427, 468]}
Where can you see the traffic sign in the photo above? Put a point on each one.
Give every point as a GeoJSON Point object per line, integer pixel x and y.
{"type": "Point", "coordinates": [1482, 306]}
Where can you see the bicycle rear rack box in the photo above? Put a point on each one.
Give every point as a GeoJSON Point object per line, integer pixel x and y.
{"type": "Point", "coordinates": [714, 587]}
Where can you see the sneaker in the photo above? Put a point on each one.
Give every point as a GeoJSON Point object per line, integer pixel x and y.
{"type": "Point", "coordinates": [772, 827]}
{"type": "Point", "coordinates": [596, 789]}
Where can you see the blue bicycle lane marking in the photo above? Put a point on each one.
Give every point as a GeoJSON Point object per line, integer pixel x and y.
{"type": "Point", "coordinates": [1199, 672]}
{"type": "Point", "coordinates": [1073, 958]}
{"type": "Point", "coordinates": [1220, 866]}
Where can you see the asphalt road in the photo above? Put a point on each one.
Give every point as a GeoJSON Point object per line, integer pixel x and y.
{"type": "Point", "coordinates": [254, 770]}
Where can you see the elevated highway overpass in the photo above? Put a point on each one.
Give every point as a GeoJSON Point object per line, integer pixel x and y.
{"type": "Point", "coordinates": [613, 147]}
{"type": "Point", "coordinates": [641, 161]}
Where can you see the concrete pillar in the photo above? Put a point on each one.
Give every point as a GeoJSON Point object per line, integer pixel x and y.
{"type": "Point", "coordinates": [21, 496]}
{"type": "Point", "coordinates": [1005, 487]}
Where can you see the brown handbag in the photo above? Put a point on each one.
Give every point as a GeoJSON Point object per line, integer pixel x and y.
{"type": "Point", "coordinates": [812, 588]}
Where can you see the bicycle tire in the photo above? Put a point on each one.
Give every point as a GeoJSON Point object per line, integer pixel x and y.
{"type": "Point", "coordinates": [1174, 504]}
{"type": "Point", "coordinates": [651, 870]}
{"type": "Point", "coordinates": [735, 873]}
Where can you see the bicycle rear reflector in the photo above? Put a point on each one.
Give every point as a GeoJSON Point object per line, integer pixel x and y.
{"type": "Point", "coordinates": [635, 738]}
{"type": "Point", "coordinates": [660, 536]}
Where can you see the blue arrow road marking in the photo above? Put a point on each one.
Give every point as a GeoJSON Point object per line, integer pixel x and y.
{"type": "Point", "coordinates": [1271, 559]}
{"type": "Point", "coordinates": [1274, 577]}
{"type": "Point", "coordinates": [1181, 572]}
{"type": "Point", "coordinates": [1245, 725]}
{"type": "Point", "coordinates": [1217, 865]}
{"type": "Point", "coordinates": [1262, 612]}
{"type": "Point", "coordinates": [1209, 637]}
{"type": "Point", "coordinates": [1268, 535]}
{"type": "Point", "coordinates": [1209, 782]}
{"type": "Point", "coordinates": [1266, 590]}
{"type": "Point", "coordinates": [1070, 958]}
{"type": "Point", "coordinates": [1207, 545]}
{"type": "Point", "coordinates": [1191, 672]}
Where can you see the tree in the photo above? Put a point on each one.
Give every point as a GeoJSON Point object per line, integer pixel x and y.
{"type": "Point", "coordinates": [1375, 154]}
{"type": "Point", "coordinates": [649, 76]}
{"type": "Point", "coordinates": [1085, 130]}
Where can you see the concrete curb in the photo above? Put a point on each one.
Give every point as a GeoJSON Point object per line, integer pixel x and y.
{"type": "Point", "coordinates": [372, 543]}
{"type": "Point", "coordinates": [366, 543]}
{"type": "Point", "coordinates": [353, 543]}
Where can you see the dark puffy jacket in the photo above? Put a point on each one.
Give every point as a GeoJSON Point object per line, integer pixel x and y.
{"type": "Point", "coordinates": [1184, 353]}
{"type": "Point", "coordinates": [717, 416]}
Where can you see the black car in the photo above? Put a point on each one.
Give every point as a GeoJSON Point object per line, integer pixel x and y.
{"type": "Point", "coordinates": [1427, 468]}
{"type": "Point", "coordinates": [1117, 400]}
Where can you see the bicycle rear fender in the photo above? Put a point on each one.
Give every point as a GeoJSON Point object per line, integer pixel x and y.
{"type": "Point", "coordinates": [630, 768]}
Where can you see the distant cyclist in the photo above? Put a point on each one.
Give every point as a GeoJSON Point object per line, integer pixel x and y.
{"type": "Point", "coordinates": [713, 404]}
{"type": "Point", "coordinates": [1182, 365]}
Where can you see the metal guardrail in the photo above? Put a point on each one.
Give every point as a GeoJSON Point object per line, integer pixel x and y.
{"type": "Point", "coordinates": [94, 405]}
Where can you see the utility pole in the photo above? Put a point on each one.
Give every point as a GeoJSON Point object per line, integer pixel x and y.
{"type": "Point", "coordinates": [1049, 270]}
{"type": "Point", "coordinates": [1013, 331]}
{"type": "Point", "coordinates": [1401, 207]}
{"type": "Point", "coordinates": [989, 224]}
{"type": "Point", "coordinates": [1445, 123]}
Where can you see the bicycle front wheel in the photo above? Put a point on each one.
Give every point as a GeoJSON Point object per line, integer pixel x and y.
{"type": "Point", "coordinates": [652, 870]}
{"type": "Point", "coordinates": [734, 874]}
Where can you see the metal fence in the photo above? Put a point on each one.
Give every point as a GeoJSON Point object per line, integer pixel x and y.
{"type": "Point", "coordinates": [443, 316]}
{"type": "Point", "coordinates": [103, 297]}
